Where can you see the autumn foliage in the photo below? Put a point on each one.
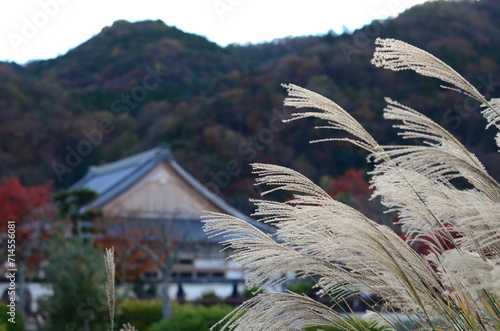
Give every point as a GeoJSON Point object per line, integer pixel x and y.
{"type": "Point", "coordinates": [18, 202]}
{"type": "Point", "coordinates": [126, 238]}
{"type": "Point", "coordinates": [353, 189]}
{"type": "Point", "coordinates": [31, 208]}
{"type": "Point", "coordinates": [351, 182]}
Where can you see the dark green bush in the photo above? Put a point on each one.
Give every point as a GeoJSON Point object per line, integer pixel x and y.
{"type": "Point", "coordinates": [188, 317]}
{"type": "Point", "coordinates": [210, 295]}
{"type": "Point", "coordinates": [139, 313]}
{"type": "Point", "coordinates": [5, 325]}
{"type": "Point", "coordinates": [251, 292]}
{"type": "Point", "coordinates": [301, 287]}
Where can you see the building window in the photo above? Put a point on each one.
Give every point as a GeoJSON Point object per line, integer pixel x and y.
{"type": "Point", "coordinates": [151, 275]}
{"type": "Point", "coordinates": [218, 275]}
{"type": "Point", "coordinates": [186, 261]}
{"type": "Point", "coordinates": [186, 275]}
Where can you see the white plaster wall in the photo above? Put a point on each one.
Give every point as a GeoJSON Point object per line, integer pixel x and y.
{"type": "Point", "coordinates": [195, 291]}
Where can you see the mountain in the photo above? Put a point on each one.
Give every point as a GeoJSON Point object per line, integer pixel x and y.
{"type": "Point", "coordinates": [136, 85]}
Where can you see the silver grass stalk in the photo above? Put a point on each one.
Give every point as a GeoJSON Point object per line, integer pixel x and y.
{"type": "Point", "coordinates": [282, 311]}
{"type": "Point", "coordinates": [336, 117]}
{"type": "Point", "coordinates": [375, 317]}
{"type": "Point", "coordinates": [459, 161]}
{"type": "Point", "coordinates": [128, 327]}
{"type": "Point", "coordinates": [109, 261]}
{"type": "Point", "coordinates": [401, 180]}
{"type": "Point", "coordinates": [252, 248]}
{"type": "Point", "coordinates": [397, 55]}
{"type": "Point", "coordinates": [453, 288]}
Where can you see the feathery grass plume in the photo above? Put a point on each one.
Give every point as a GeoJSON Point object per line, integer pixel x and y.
{"type": "Point", "coordinates": [109, 261]}
{"type": "Point", "coordinates": [454, 287]}
{"type": "Point", "coordinates": [491, 112]}
{"type": "Point", "coordinates": [397, 55]}
{"type": "Point", "coordinates": [460, 162]}
{"type": "Point", "coordinates": [128, 327]}
{"type": "Point", "coordinates": [430, 170]}
{"type": "Point", "coordinates": [337, 117]}
{"type": "Point", "coordinates": [253, 247]}
{"type": "Point", "coordinates": [285, 311]}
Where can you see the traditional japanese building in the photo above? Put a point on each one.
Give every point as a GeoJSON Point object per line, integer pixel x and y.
{"type": "Point", "coordinates": [153, 187]}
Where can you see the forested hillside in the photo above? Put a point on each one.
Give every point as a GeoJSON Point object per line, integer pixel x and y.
{"type": "Point", "coordinates": [136, 85]}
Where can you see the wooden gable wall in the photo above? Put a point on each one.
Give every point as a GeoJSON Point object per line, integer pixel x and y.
{"type": "Point", "coordinates": [161, 193]}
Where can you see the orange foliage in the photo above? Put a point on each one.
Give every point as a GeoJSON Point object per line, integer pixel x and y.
{"type": "Point", "coordinates": [127, 237]}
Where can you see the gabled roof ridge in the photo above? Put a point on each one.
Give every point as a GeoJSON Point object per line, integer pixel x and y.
{"type": "Point", "coordinates": [203, 190]}
{"type": "Point", "coordinates": [144, 162]}
{"type": "Point", "coordinates": [142, 157]}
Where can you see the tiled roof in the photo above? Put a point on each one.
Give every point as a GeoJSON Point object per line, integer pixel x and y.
{"type": "Point", "coordinates": [111, 180]}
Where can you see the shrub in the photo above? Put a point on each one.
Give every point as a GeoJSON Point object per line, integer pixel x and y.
{"type": "Point", "coordinates": [251, 292]}
{"type": "Point", "coordinates": [453, 287]}
{"type": "Point", "coordinates": [301, 287]}
{"type": "Point", "coordinates": [5, 325]}
{"type": "Point", "coordinates": [139, 313]}
{"type": "Point", "coordinates": [187, 317]}
{"type": "Point", "coordinates": [210, 295]}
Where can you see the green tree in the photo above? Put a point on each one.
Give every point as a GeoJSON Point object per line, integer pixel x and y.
{"type": "Point", "coordinates": [71, 201]}
{"type": "Point", "coordinates": [77, 276]}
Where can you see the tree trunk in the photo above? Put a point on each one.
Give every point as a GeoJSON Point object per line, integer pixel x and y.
{"type": "Point", "coordinates": [166, 310]}
{"type": "Point", "coordinates": [22, 289]}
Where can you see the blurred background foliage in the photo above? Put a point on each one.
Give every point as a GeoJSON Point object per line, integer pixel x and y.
{"type": "Point", "coordinates": [215, 105]}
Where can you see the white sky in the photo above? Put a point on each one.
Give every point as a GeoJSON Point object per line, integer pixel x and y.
{"type": "Point", "coordinates": [41, 29]}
